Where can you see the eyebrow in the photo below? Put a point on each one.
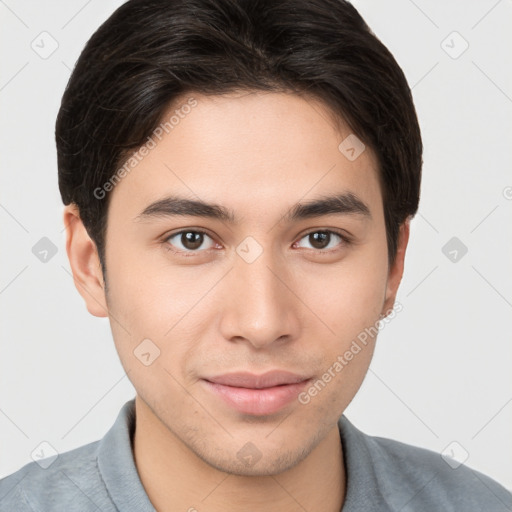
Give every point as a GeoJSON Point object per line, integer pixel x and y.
{"type": "Point", "coordinates": [342, 204]}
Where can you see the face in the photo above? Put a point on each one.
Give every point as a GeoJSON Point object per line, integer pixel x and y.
{"type": "Point", "coordinates": [272, 284]}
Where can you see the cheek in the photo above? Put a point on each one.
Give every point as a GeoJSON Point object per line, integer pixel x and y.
{"type": "Point", "coordinates": [152, 300]}
{"type": "Point", "coordinates": [147, 291]}
{"type": "Point", "coordinates": [350, 306]}
{"type": "Point", "coordinates": [350, 299]}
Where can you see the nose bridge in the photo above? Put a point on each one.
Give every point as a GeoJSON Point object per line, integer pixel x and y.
{"type": "Point", "coordinates": [262, 309]}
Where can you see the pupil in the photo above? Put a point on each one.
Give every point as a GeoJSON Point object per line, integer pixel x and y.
{"type": "Point", "coordinates": [319, 239]}
{"type": "Point", "coordinates": [192, 240]}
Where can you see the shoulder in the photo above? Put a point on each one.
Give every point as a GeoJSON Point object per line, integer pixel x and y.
{"type": "Point", "coordinates": [443, 479]}
{"type": "Point", "coordinates": [410, 478]}
{"type": "Point", "coordinates": [72, 476]}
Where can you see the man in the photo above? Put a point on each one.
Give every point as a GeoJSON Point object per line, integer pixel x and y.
{"type": "Point", "coordinates": [239, 178]}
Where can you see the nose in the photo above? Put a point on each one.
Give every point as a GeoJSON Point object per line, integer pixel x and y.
{"type": "Point", "coordinates": [261, 308]}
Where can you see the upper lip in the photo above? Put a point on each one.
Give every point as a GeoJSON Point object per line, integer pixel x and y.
{"type": "Point", "coordinates": [251, 380]}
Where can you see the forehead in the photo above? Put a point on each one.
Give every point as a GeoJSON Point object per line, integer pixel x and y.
{"type": "Point", "coordinates": [248, 149]}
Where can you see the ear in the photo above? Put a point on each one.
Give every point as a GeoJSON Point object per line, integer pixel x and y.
{"type": "Point", "coordinates": [397, 269]}
{"type": "Point", "coordinates": [85, 263]}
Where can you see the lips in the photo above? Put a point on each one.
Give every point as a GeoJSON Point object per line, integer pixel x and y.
{"type": "Point", "coordinates": [266, 380]}
{"type": "Point", "coordinates": [253, 394]}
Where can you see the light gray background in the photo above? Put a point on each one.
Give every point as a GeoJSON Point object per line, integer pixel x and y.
{"type": "Point", "coordinates": [441, 371]}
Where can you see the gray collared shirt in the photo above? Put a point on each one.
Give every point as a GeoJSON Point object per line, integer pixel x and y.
{"type": "Point", "coordinates": [382, 475]}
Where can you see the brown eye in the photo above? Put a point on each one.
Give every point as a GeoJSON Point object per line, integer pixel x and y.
{"type": "Point", "coordinates": [320, 239]}
{"type": "Point", "coordinates": [188, 241]}
{"type": "Point", "coordinates": [326, 239]}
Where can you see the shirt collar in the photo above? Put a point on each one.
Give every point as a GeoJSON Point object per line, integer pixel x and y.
{"type": "Point", "coordinates": [363, 490]}
{"type": "Point", "coordinates": [117, 465]}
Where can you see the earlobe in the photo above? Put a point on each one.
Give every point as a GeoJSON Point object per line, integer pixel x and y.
{"type": "Point", "coordinates": [397, 269]}
{"type": "Point", "coordinates": [85, 263]}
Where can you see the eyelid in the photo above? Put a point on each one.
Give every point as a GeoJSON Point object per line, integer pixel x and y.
{"type": "Point", "coordinates": [187, 230]}
{"type": "Point", "coordinates": [341, 233]}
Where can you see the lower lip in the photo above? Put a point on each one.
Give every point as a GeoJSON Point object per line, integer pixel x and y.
{"type": "Point", "coordinates": [257, 401]}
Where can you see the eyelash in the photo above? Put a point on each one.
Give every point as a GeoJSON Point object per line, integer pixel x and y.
{"type": "Point", "coordinates": [345, 241]}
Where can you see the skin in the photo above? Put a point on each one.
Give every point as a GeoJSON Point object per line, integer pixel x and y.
{"type": "Point", "coordinates": [297, 307]}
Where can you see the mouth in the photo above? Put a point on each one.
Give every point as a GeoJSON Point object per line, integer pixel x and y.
{"type": "Point", "coordinates": [253, 394]}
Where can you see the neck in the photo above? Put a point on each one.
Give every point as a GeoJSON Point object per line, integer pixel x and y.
{"type": "Point", "coordinates": [175, 478]}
